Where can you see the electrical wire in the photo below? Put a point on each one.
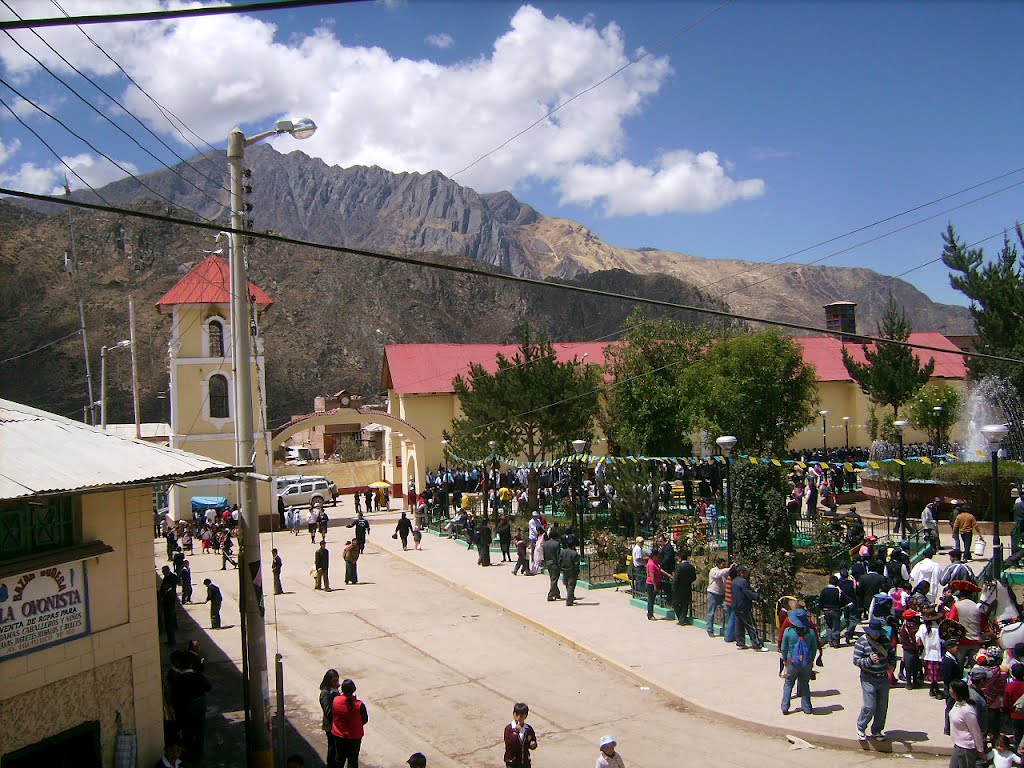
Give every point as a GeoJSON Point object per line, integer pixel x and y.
{"type": "Point", "coordinates": [41, 347]}
{"type": "Point", "coordinates": [499, 276]}
{"type": "Point", "coordinates": [107, 117]}
{"type": "Point", "coordinates": [95, 149]}
{"type": "Point", "coordinates": [180, 13]}
{"type": "Point", "coordinates": [596, 85]}
{"type": "Point", "coordinates": [54, 152]}
{"type": "Point", "coordinates": [167, 113]}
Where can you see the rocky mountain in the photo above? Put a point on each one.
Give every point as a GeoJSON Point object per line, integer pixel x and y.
{"type": "Point", "coordinates": [334, 312]}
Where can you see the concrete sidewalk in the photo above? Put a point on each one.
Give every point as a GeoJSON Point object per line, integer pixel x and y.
{"type": "Point", "coordinates": [683, 662]}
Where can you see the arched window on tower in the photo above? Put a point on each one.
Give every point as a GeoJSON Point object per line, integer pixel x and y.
{"type": "Point", "coordinates": [218, 397]}
{"type": "Point", "coordinates": [216, 330]}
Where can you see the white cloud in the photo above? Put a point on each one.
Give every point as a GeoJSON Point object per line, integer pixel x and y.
{"type": "Point", "coordinates": [442, 40]}
{"type": "Point", "coordinates": [374, 108]}
{"type": "Point", "coordinates": [682, 182]}
{"type": "Point", "coordinates": [49, 179]}
{"type": "Point", "coordinates": [8, 149]}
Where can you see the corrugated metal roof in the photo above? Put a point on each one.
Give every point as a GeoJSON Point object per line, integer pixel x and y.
{"type": "Point", "coordinates": [42, 453]}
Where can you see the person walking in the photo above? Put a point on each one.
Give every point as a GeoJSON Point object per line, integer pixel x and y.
{"type": "Point", "coordinates": [569, 565]}
{"type": "Point", "coordinates": [362, 526]}
{"type": "Point", "coordinates": [682, 588]}
{"type": "Point", "coordinates": [830, 602]}
{"type": "Point", "coordinates": [311, 521]}
{"type": "Point", "coordinates": [798, 648]}
{"type": "Point", "coordinates": [608, 758]}
{"type": "Point", "coordinates": [522, 558]}
{"type": "Point", "coordinates": [504, 531]}
{"type": "Point", "coordinates": [185, 577]}
{"type": "Point", "coordinates": [350, 554]}
{"type": "Point", "coordinates": [964, 729]}
{"type": "Point", "coordinates": [348, 718]}
{"type": "Point", "coordinates": [743, 599]}
{"type": "Point", "coordinates": [716, 594]}
{"type": "Point", "coordinates": [520, 738]}
{"type": "Point", "coordinates": [963, 529]}
{"type": "Point", "coordinates": [276, 565]}
{"type": "Point", "coordinates": [215, 599]}
{"type": "Point", "coordinates": [328, 690]}
{"type": "Point", "coordinates": [402, 530]}
{"type": "Point", "coordinates": [876, 659]}
{"type": "Point", "coordinates": [551, 548]}
{"type": "Point", "coordinates": [321, 564]}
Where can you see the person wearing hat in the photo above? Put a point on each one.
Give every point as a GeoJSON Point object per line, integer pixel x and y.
{"type": "Point", "coordinates": [798, 648]}
{"type": "Point", "coordinates": [417, 760]}
{"type": "Point", "coordinates": [908, 642]}
{"type": "Point", "coordinates": [876, 659]}
{"type": "Point", "coordinates": [608, 758]}
{"type": "Point", "coordinates": [932, 650]}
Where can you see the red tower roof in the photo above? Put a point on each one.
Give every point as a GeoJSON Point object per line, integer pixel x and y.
{"type": "Point", "coordinates": [208, 283]}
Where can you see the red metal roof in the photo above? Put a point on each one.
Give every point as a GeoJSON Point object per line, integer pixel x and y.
{"type": "Point", "coordinates": [422, 368]}
{"type": "Point", "coordinates": [208, 283]}
{"type": "Point", "coordinates": [825, 354]}
{"type": "Point", "coordinates": [430, 368]}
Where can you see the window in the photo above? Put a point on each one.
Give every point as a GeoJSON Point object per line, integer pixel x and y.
{"type": "Point", "coordinates": [26, 530]}
{"type": "Point", "coordinates": [218, 397]}
{"type": "Point", "coordinates": [216, 330]}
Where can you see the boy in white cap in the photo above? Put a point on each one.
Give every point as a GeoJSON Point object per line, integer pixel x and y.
{"type": "Point", "coordinates": [609, 758]}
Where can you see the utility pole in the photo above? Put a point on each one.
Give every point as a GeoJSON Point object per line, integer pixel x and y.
{"type": "Point", "coordinates": [71, 267]}
{"type": "Point", "coordinates": [135, 370]}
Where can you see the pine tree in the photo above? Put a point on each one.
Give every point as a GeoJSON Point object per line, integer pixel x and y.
{"type": "Point", "coordinates": [893, 374]}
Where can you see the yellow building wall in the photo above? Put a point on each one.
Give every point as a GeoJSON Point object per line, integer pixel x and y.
{"type": "Point", "coordinates": [115, 668]}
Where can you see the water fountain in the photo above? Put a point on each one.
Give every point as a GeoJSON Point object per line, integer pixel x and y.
{"type": "Point", "coordinates": [992, 401]}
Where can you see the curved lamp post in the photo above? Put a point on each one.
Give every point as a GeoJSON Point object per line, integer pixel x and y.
{"type": "Point", "coordinates": [995, 433]}
{"type": "Point", "coordinates": [726, 443]}
{"type": "Point", "coordinates": [901, 512]}
{"type": "Point", "coordinates": [103, 379]}
{"type": "Point", "coordinates": [578, 446]}
{"type": "Point", "coordinates": [254, 645]}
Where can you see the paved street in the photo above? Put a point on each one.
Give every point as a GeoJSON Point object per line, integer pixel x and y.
{"type": "Point", "coordinates": [440, 668]}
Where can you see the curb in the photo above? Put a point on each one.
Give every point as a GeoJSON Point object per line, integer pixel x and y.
{"type": "Point", "coordinates": [887, 747]}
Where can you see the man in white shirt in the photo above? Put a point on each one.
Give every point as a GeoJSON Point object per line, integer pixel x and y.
{"type": "Point", "coordinates": [716, 594]}
{"type": "Point", "coordinates": [638, 565]}
{"type": "Point", "coordinates": [928, 570]}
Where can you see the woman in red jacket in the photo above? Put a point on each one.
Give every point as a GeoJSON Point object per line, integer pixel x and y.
{"type": "Point", "coordinates": [348, 716]}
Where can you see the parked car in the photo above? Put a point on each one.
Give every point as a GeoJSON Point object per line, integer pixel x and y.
{"type": "Point", "coordinates": [307, 491]}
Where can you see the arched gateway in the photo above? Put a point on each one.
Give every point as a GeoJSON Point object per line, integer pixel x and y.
{"type": "Point", "coordinates": [403, 440]}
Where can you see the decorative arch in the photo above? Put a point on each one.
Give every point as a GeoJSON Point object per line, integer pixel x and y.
{"type": "Point", "coordinates": [360, 416]}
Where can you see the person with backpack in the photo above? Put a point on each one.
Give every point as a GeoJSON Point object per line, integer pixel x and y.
{"type": "Point", "coordinates": [799, 646]}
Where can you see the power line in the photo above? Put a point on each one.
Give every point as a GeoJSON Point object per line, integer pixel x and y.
{"type": "Point", "coordinates": [41, 347]}
{"type": "Point", "coordinates": [167, 113]}
{"type": "Point", "coordinates": [95, 149]}
{"type": "Point", "coordinates": [500, 276]}
{"type": "Point", "coordinates": [54, 152]}
{"type": "Point", "coordinates": [105, 116]}
{"type": "Point", "coordinates": [598, 84]}
{"type": "Point", "coordinates": [181, 13]}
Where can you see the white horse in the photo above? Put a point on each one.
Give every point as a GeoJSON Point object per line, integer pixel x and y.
{"type": "Point", "coordinates": [997, 598]}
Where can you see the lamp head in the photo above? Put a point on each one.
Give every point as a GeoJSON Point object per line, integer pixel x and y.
{"type": "Point", "coordinates": [726, 443]}
{"type": "Point", "coordinates": [995, 433]}
{"type": "Point", "coordinates": [846, 418]}
{"type": "Point", "coordinates": [901, 424]}
{"type": "Point", "coordinates": [444, 443]}
{"type": "Point", "coordinates": [300, 129]}
{"type": "Point", "coordinates": [578, 446]}
{"type": "Point", "coordinates": [493, 444]}
{"type": "Point", "coordinates": [823, 413]}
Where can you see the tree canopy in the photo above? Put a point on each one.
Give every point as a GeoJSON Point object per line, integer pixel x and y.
{"type": "Point", "coordinates": [936, 423]}
{"type": "Point", "coordinates": [532, 405]}
{"type": "Point", "coordinates": [893, 373]}
{"type": "Point", "coordinates": [996, 291]}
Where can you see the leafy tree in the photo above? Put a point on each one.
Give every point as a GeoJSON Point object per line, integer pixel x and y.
{"type": "Point", "coordinates": [754, 386]}
{"type": "Point", "coordinates": [996, 291]}
{"type": "Point", "coordinates": [893, 373]}
{"type": "Point", "coordinates": [642, 414]}
{"type": "Point", "coordinates": [762, 536]}
{"type": "Point", "coordinates": [937, 423]}
{"type": "Point", "coordinates": [632, 498]}
{"type": "Point", "coordinates": [532, 405]}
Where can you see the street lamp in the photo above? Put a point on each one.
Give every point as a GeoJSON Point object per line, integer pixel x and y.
{"type": "Point", "coordinates": [901, 513]}
{"type": "Point", "coordinates": [578, 446]}
{"type": "Point", "coordinates": [937, 410]}
{"type": "Point", "coordinates": [824, 434]}
{"type": "Point", "coordinates": [103, 379]}
{"type": "Point", "coordinates": [846, 426]}
{"type": "Point", "coordinates": [726, 443]}
{"type": "Point", "coordinates": [254, 646]}
{"type": "Point", "coordinates": [995, 433]}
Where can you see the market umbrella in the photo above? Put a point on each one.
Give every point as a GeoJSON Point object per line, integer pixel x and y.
{"type": "Point", "coordinates": [380, 484]}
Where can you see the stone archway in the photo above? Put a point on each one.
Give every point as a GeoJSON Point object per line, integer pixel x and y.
{"type": "Point", "coordinates": [399, 477]}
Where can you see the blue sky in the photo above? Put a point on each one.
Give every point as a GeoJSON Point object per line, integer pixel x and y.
{"type": "Point", "coordinates": [763, 130]}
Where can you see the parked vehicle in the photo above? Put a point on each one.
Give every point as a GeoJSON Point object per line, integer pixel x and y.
{"type": "Point", "coordinates": [306, 491]}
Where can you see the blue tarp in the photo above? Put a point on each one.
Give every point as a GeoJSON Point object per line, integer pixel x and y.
{"type": "Point", "coordinates": [199, 503]}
